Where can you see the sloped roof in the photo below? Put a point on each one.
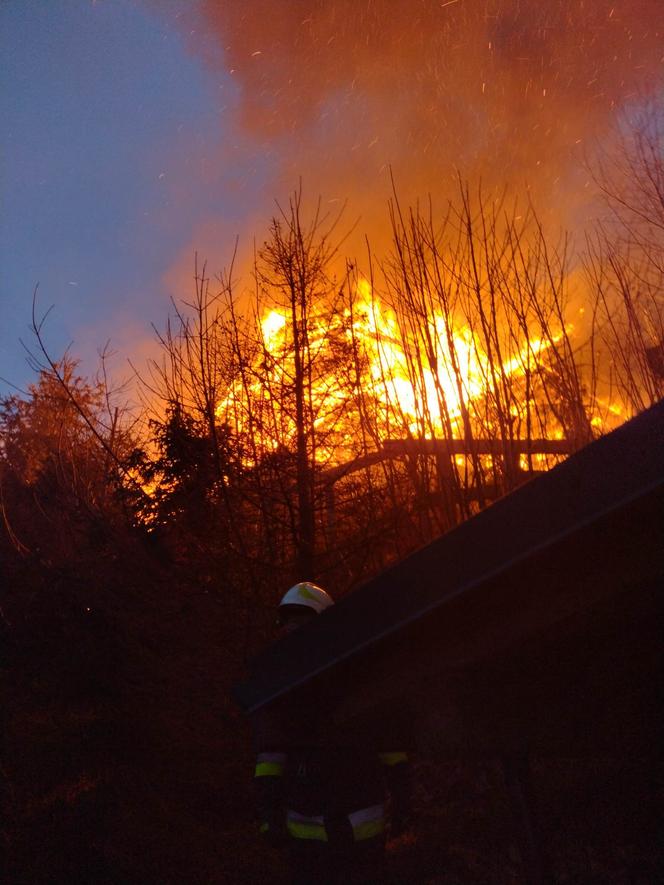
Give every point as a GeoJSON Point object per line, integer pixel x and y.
{"type": "Point", "coordinates": [551, 548]}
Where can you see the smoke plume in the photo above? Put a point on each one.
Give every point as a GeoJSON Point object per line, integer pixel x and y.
{"type": "Point", "coordinates": [513, 91]}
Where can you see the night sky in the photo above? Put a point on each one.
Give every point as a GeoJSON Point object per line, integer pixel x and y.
{"type": "Point", "coordinates": [137, 132]}
{"type": "Point", "coordinates": [117, 162]}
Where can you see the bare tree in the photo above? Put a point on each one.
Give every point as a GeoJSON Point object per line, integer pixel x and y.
{"type": "Point", "coordinates": [625, 259]}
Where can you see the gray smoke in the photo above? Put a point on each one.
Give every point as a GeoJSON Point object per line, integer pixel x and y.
{"type": "Point", "coordinates": [512, 91]}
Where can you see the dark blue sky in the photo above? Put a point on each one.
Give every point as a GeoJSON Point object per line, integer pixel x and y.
{"type": "Point", "coordinates": [115, 151]}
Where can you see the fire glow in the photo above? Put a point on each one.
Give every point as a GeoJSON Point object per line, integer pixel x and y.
{"type": "Point", "coordinates": [410, 396]}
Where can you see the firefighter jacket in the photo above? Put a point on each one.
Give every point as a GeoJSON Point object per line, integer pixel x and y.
{"type": "Point", "coordinates": [315, 780]}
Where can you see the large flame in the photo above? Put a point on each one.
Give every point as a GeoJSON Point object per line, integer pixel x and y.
{"type": "Point", "coordinates": [411, 395]}
{"type": "Point", "coordinates": [391, 377]}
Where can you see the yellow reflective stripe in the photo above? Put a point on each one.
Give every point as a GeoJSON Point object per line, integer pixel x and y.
{"type": "Point", "coordinates": [307, 831]}
{"type": "Point", "coordinates": [368, 830]}
{"type": "Point", "coordinates": [269, 769]}
{"type": "Point", "coordinates": [306, 826]}
{"type": "Point", "coordinates": [367, 822]}
{"type": "Point", "coordinates": [393, 758]}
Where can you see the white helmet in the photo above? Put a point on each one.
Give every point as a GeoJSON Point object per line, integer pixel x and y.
{"type": "Point", "coordinates": [307, 595]}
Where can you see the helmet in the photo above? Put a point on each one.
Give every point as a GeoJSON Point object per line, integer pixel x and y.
{"type": "Point", "coordinates": [307, 595]}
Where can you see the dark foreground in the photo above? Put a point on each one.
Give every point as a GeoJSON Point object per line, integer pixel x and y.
{"type": "Point", "coordinates": [127, 762]}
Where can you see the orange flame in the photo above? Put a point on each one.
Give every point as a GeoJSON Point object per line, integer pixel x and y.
{"type": "Point", "coordinates": [407, 397]}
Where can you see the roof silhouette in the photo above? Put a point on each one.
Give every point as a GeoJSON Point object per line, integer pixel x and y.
{"type": "Point", "coordinates": [534, 564]}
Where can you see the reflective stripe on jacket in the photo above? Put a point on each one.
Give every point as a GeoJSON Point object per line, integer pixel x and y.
{"type": "Point", "coordinates": [304, 826]}
{"type": "Point", "coordinates": [301, 780]}
{"type": "Point", "coordinates": [366, 823]}
{"type": "Point", "coordinates": [270, 764]}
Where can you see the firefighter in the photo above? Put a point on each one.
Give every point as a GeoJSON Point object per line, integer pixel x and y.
{"type": "Point", "coordinates": [322, 789]}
